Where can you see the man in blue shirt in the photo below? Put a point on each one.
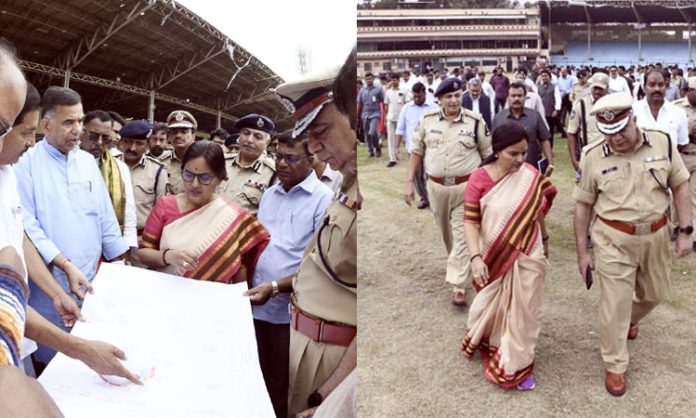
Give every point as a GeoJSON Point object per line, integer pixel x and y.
{"type": "Point", "coordinates": [409, 119]}
{"type": "Point", "coordinates": [370, 100]}
{"type": "Point", "coordinates": [291, 212]}
{"type": "Point", "coordinates": [66, 207]}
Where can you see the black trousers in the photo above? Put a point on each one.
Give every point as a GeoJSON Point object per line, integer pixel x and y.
{"type": "Point", "coordinates": [273, 343]}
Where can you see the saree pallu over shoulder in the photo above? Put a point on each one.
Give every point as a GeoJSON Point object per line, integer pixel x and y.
{"type": "Point", "coordinates": [513, 228]}
{"type": "Point", "coordinates": [223, 237]}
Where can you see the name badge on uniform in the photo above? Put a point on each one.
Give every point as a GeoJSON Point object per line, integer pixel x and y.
{"type": "Point", "coordinates": [435, 131]}
{"type": "Point", "coordinates": [652, 159]}
{"type": "Point", "coordinates": [610, 170]}
{"type": "Point", "coordinates": [467, 133]}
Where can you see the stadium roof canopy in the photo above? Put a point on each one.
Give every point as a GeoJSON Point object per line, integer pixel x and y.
{"type": "Point", "coordinates": [617, 11]}
{"type": "Point", "coordinates": [121, 54]}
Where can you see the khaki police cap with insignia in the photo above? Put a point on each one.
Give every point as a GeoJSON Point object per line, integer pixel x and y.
{"type": "Point", "coordinates": [600, 80]}
{"type": "Point", "coordinates": [181, 119]}
{"type": "Point", "coordinates": [612, 112]}
{"type": "Point", "coordinates": [306, 96]}
{"type": "Point", "coordinates": [692, 82]}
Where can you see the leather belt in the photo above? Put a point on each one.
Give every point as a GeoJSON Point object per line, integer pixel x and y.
{"type": "Point", "coordinates": [322, 331]}
{"type": "Point", "coordinates": [449, 181]}
{"type": "Point", "coordinates": [637, 229]}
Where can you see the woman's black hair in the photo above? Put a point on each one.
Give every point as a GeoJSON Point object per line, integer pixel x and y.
{"type": "Point", "coordinates": [211, 153]}
{"type": "Point", "coordinates": [505, 135]}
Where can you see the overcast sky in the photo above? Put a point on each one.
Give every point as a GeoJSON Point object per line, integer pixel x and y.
{"type": "Point", "coordinates": [273, 30]}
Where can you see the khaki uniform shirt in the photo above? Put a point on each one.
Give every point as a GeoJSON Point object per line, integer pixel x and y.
{"type": "Point", "coordinates": [150, 182]}
{"type": "Point", "coordinates": [622, 187]}
{"type": "Point", "coordinates": [690, 113]}
{"type": "Point", "coordinates": [316, 292]}
{"type": "Point", "coordinates": [246, 184]}
{"type": "Point", "coordinates": [173, 166]}
{"type": "Point", "coordinates": [579, 91]}
{"type": "Point", "coordinates": [452, 149]}
{"type": "Point", "coordinates": [575, 121]}
{"type": "Point", "coordinates": [166, 154]}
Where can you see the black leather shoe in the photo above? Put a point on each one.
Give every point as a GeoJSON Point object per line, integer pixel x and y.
{"type": "Point", "coordinates": [391, 164]}
{"type": "Point", "coordinates": [423, 205]}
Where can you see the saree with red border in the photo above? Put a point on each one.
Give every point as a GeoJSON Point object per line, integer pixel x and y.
{"type": "Point", "coordinates": [221, 234]}
{"type": "Point", "coordinates": [504, 318]}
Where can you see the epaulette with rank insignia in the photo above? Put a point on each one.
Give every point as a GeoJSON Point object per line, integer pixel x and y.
{"type": "Point", "coordinates": [154, 160]}
{"type": "Point", "coordinates": [471, 114]}
{"type": "Point", "coordinates": [230, 155]}
{"type": "Point", "coordinates": [589, 147]}
{"type": "Point", "coordinates": [269, 162]}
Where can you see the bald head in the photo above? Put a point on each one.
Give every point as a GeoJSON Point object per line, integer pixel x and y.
{"type": "Point", "coordinates": [13, 89]}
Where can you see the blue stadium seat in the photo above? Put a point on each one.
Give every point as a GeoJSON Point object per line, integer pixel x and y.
{"type": "Point", "coordinates": [625, 53]}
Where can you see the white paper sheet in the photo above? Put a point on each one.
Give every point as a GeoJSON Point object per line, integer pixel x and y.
{"type": "Point", "coordinates": [193, 342]}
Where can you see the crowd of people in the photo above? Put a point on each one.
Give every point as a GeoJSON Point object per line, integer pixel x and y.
{"type": "Point", "coordinates": [277, 211]}
{"type": "Point", "coordinates": [481, 156]}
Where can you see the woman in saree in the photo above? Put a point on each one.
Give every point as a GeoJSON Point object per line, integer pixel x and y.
{"type": "Point", "coordinates": [197, 234]}
{"type": "Point", "coordinates": [505, 203]}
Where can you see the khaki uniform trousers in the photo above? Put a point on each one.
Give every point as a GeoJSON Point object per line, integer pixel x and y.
{"type": "Point", "coordinates": [447, 203]}
{"type": "Point", "coordinates": [633, 273]}
{"type": "Point", "coordinates": [311, 364]}
{"type": "Point", "coordinates": [690, 163]}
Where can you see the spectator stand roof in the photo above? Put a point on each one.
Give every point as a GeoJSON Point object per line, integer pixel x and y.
{"type": "Point", "coordinates": [617, 11]}
{"type": "Point", "coordinates": [141, 58]}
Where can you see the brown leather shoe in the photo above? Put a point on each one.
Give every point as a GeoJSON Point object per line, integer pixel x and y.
{"type": "Point", "coordinates": [633, 332]}
{"type": "Point", "coordinates": [615, 383]}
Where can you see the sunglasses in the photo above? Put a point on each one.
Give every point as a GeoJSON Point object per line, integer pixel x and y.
{"type": "Point", "coordinates": [204, 179]}
{"type": "Point", "coordinates": [94, 137]}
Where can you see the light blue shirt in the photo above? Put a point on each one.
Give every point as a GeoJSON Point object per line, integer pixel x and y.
{"type": "Point", "coordinates": [565, 85]}
{"type": "Point", "coordinates": [409, 119]}
{"type": "Point", "coordinates": [67, 210]}
{"type": "Point", "coordinates": [291, 218]}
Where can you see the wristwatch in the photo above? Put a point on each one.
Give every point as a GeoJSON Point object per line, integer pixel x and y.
{"type": "Point", "coordinates": [274, 285]}
{"type": "Point", "coordinates": [315, 399]}
{"type": "Point", "coordinates": [687, 231]}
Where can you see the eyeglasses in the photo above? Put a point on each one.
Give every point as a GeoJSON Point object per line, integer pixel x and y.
{"type": "Point", "coordinates": [204, 179]}
{"type": "Point", "coordinates": [94, 137]}
{"type": "Point", "coordinates": [290, 159]}
{"type": "Point", "coordinates": [5, 130]}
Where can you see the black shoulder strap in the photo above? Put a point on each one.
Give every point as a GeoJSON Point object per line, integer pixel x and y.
{"type": "Point", "coordinates": [157, 176]}
{"type": "Point", "coordinates": [669, 144]}
{"type": "Point", "coordinates": [578, 150]}
{"type": "Point", "coordinates": [476, 131]}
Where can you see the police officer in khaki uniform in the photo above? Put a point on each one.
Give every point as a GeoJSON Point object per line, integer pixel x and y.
{"type": "Point", "coordinates": [626, 180]}
{"type": "Point", "coordinates": [158, 142]}
{"type": "Point", "coordinates": [323, 345]}
{"type": "Point", "coordinates": [582, 127]}
{"type": "Point", "coordinates": [149, 177]}
{"type": "Point", "coordinates": [688, 151]}
{"type": "Point", "coordinates": [452, 141]}
{"type": "Point", "coordinates": [581, 88]}
{"type": "Point", "coordinates": [251, 171]}
{"type": "Point", "coordinates": [181, 133]}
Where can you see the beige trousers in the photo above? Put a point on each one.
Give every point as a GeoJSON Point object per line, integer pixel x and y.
{"type": "Point", "coordinates": [633, 275]}
{"type": "Point", "coordinates": [447, 203]}
{"type": "Point", "coordinates": [311, 364]}
{"type": "Point", "coordinates": [391, 140]}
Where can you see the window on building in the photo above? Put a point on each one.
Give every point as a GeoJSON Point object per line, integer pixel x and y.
{"type": "Point", "coordinates": [386, 66]}
{"type": "Point", "coordinates": [367, 67]}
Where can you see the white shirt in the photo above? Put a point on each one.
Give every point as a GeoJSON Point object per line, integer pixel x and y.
{"type": "Point", "coordinates": [332, 178]}
{"type": "Point", "coordinates": [12, 231]}
{"type": "Point", "coordinates": [618, 85]}
{"type": "Point", "coordinates": [670, 119]}
{"type": "Point", "coordinates": [130, 218]}
{"type": "Point", "coordinates": [396, 99]}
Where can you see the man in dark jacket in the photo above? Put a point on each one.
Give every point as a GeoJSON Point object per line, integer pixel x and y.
{"type": "Point", "coordinates": [476, 101]}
